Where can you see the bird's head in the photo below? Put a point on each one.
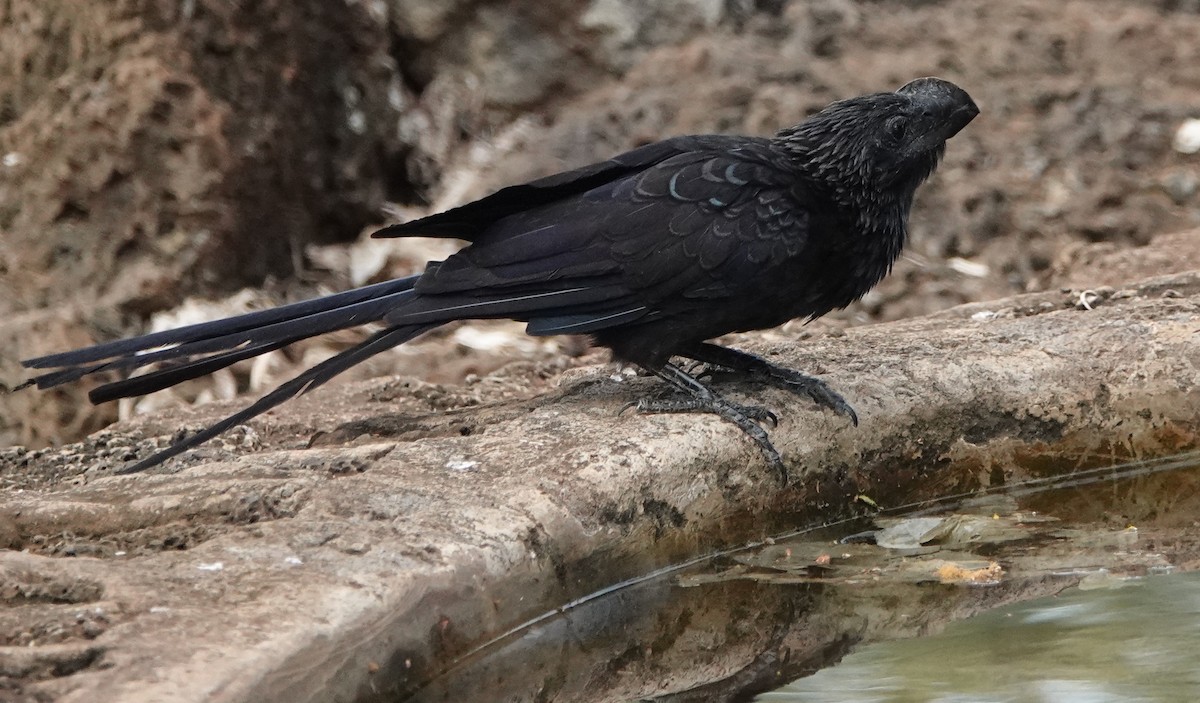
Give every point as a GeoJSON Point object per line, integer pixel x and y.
{"type": "Point", "coordinates": [883, 142]}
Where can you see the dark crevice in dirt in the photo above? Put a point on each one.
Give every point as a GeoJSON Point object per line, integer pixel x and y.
{"type": "Point", "coordinates": [99, 454]}
{"type": "Point", "coordinates": [53, 625]}
{"type": "Point", "coordinates": [40, 663]}
{"type": "Point", "coordinates": [406, 54]}
{"type": "Point", "coordinates": [404, 428]}
{"type": "Point", "coordinates": [17, 588]}
{"type": "Point", "coordinates": [180, 529]}
{"type": "Point", "coordinates": [618, 514]}
{"type": "Point", "coordinates": [115, 545]}
{"type": "Point", "coordinates": [399, 184]}
{"type": "Point", "coordinates": [666, 517]}
{"type": "Point", "coordinates": [338, 466]}
{"type": "Point", "coordinates": [1024, 428]}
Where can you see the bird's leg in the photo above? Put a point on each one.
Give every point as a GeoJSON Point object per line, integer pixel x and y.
{"type": "Point", "coordinates": [759, 369]}
{"type": "Point", "coordinates": [701, 399]}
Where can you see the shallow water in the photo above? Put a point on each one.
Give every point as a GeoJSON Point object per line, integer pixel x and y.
{"type": "Point", "coordinates": [1133, 641]}
{"type": "Point", "coordinates": [1062, 589]}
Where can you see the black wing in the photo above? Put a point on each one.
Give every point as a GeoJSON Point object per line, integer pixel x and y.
{"type": "Point", "coordinates": [697, 225]}
{"type": "Point", "coordinates": [707, 223]}
{"type": "Point", "coordinates": [470, 220]}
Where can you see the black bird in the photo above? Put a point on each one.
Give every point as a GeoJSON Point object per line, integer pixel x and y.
{"type": "Point", "coordinates": [652, 253]}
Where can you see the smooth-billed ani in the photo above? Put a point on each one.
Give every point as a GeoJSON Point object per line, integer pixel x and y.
{"type": "Point", "coordinates": [652, 253]}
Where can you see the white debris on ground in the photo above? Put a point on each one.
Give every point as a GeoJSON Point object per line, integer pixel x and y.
{"type": "Point", "coordinates": [967, 267]}
{"type": "Point", "coordinates": [496, 338]}
{"type": "Point", "coordinates": [1187, 137]}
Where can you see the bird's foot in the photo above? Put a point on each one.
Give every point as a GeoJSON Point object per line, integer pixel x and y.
{"type": "Point", "coordinates": [746, 417]}
{"type": "Point", "coordinates": [812, 387]}
{"type": "Point", "coordinates": [726, 363]}
{"type": "Point", "coordinates": [700, 398]}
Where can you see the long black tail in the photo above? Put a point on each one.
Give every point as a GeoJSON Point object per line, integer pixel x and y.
{"type": "Point", "coordinates": [196, 350]}
{"type": "Point", "coordinates": [224, 341]}
{"type": "Point", "coordinates": [579, 304]}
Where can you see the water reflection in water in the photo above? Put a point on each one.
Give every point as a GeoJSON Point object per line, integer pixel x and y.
{"type": "Point", "coordinates": [728, 626]}
{"type": "Point", "coordinates": [1140, 642]}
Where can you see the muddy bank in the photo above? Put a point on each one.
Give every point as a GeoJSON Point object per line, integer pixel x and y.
{"type": "Point", "coordinates": [351, 542]}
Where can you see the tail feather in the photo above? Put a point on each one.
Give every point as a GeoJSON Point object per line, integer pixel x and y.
{"type": "Point", "coordinates": [189, 352]}
{"type": "Point", "coordinates": [219, 328]}
{"type": "Point", "coordinates": [58, 378]}
{"type": "Point", "coordinates": [263, 338]}
{"type": "Point", "coordinates": [310, 379]}
{"type": "Point", "coordinates": [293, 329]}
{"type": "Point", "coordinates": [172, 375]}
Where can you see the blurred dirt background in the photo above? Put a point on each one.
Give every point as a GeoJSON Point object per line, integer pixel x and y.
{"type": "Point", "coordinates": [164, 162]}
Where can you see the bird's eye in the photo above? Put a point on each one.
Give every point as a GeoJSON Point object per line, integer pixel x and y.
{"type": "Point", "coordinates": [896, 127]}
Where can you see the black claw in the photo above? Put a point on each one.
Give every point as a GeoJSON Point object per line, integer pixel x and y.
{"type": "Point", "coordinates": [761, 414]}
{"type": "Point", "coordinates": [826, 397]}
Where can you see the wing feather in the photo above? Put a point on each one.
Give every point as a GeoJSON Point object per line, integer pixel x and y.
{"type": "Point", "coordinates": [695, 225]}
